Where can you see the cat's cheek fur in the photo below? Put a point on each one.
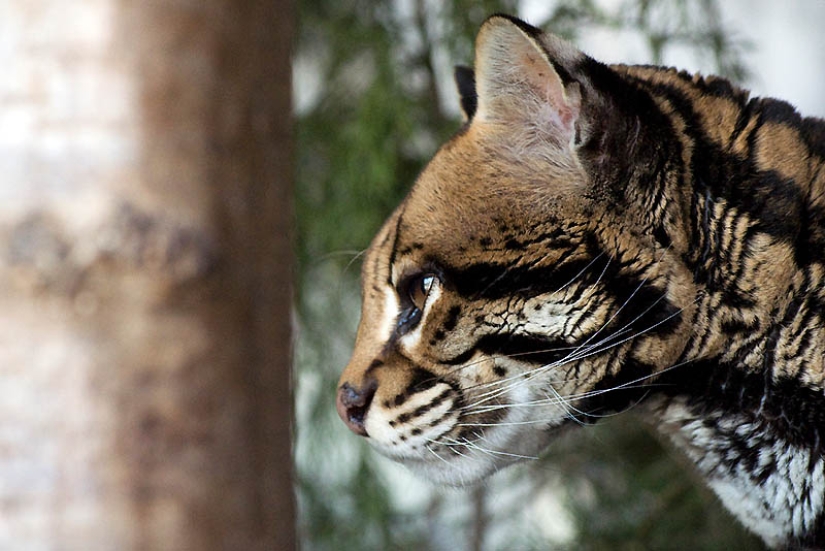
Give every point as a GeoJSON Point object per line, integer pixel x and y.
{"type": "Point", "coordinates": [426, 447]}
{"type": "Point", "coordinates": [401, 434]}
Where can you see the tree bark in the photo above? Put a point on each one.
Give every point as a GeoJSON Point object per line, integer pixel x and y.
{"type": "Point", "coordinates": [145, 275]}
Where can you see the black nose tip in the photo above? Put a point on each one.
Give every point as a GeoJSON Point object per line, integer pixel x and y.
{"type": "Point", "coordinates": [353, 403]}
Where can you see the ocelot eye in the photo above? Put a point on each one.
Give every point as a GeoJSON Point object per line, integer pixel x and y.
{"type": "Point", "coordinates": [414, 290]}
{"type": "Point", "coordinates": [419, 289]}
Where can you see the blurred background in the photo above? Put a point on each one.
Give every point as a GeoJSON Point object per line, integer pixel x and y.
{"type": "Point", "coordinates": [373, 99]}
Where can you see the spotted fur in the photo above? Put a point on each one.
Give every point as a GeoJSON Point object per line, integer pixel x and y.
{"type": "Point", "coordinates": [599, 237]}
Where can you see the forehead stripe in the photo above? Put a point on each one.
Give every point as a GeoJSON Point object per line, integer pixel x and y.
{"type": "Point", "coordinates": [394, 250]}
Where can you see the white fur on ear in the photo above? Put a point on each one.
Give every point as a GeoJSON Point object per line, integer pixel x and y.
{"type": "Point", "coordinates": [518, 84]}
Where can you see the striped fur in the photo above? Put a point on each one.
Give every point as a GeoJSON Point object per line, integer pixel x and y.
{"type": "Point", "coordinates": [597, 238]}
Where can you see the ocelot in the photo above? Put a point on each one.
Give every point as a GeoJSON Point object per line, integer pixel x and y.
{"type": "Point", "coordinates": [596, 238]}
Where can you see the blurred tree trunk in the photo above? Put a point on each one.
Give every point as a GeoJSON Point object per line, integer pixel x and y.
{"type": "Point", "coordinates": [145, 165]}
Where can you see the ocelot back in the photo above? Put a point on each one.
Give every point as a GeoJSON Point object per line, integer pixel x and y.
{"type": "Point", "coordinates": [597, 238]}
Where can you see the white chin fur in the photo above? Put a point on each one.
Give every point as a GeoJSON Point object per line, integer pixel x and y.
{"type": "Point", "coordinates": [472, 465]}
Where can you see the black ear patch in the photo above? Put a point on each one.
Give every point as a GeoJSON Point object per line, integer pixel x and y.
{"type": "Point", "coordinates": [465, 80]}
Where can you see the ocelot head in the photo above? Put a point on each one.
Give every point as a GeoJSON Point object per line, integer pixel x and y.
{"type": "Point", "coordinates": [533, 277]}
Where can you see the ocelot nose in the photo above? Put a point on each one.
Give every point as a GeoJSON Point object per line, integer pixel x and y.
{"type": "Point", "coordinates": [353, 403]}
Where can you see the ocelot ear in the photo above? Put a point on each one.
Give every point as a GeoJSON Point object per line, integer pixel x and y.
{"type": "Point", "coordinates": [465, 81]}
{"type": "Point", "coordinates": [520, 79]}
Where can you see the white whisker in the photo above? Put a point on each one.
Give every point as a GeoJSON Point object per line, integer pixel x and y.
{"type": "Point", "coordinates": [573, 357]}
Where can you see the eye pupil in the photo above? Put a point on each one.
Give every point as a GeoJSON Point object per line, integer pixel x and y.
{"type": "Point", "coordinates": [420, 288]}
